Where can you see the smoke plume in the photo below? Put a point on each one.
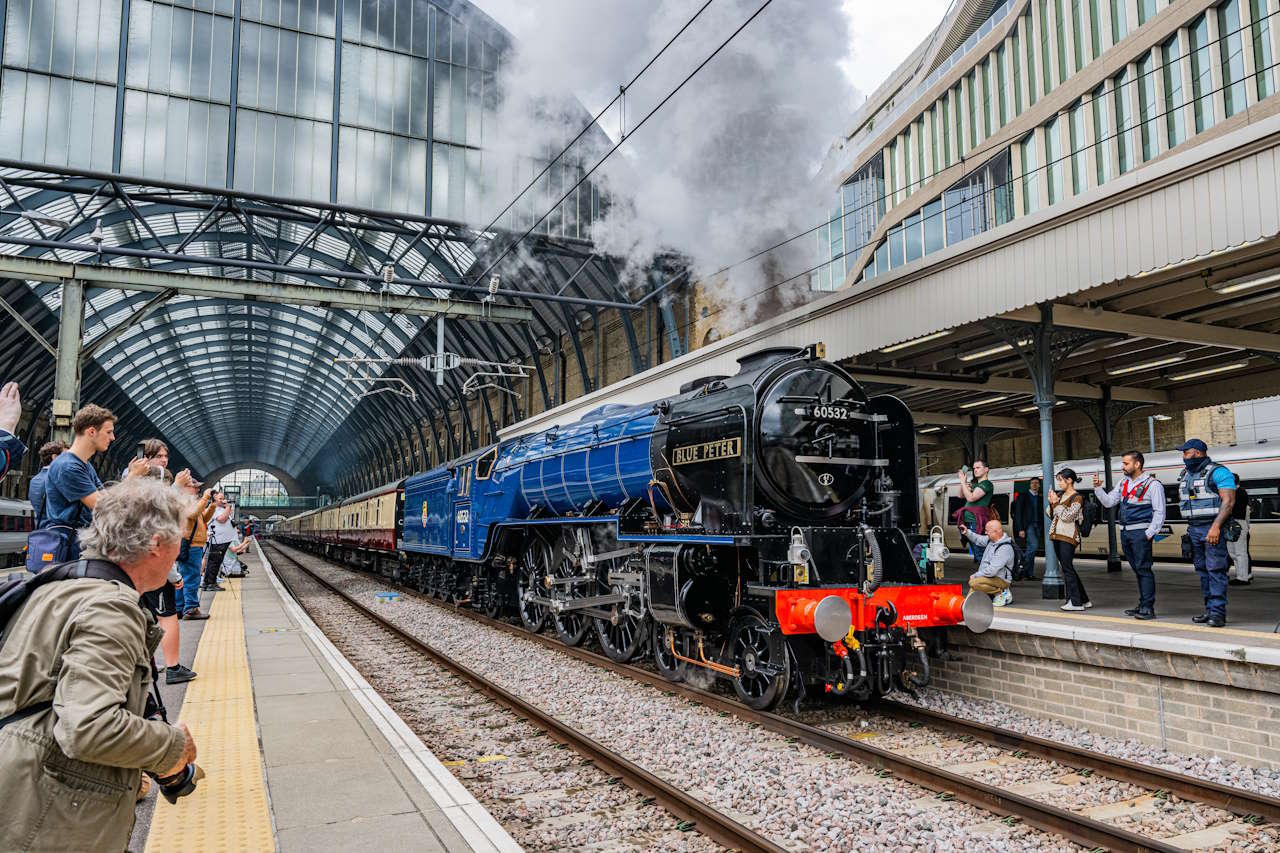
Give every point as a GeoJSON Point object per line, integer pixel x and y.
{"type": "Point", "coordinates": [724, 169]}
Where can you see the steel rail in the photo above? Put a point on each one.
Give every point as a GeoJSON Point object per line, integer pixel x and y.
{"type": "Point", "coordinates": [1078, 828]}
{"type": "Point", "coordinates": [1236, 800]}
{"type": "Point", "coordinates": [719, 827]}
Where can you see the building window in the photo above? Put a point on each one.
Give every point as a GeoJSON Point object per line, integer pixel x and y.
{"type": "Point", "coordinates": [1002, 82]}
{"type": "Point", "coordinates": [895, 247]}
{"type": "Point", "coordinates": [1147, 108]}
{"type": "Point", "coordinates": [1231, 47]}
{"type": "Point", "coordinates": [1119, 21]}
{"type": "Point", "coordinates": [1101, 135]}
{"type": "Point", "coordinates": [1060, 30]}
{"type": "Point", "coordinates": [177, 139]}
{"type": "Point", "coordinates": [1201, 75]}
{"type": "Point", "coordinates": [1095, 27]}
{"type": "Point", "coordinates": [990, 99]}
{"type": "Point", "coordinates": [1053, 159]}
{"type": "Point", "coordinates": [1016, 80]}
{"type": "Point", "coordinates": [912, 232]}
{"type": "Point", "coordinates": [1030, 175]}
{"type": "Point", "coordinates": [1174, 98]}
{"type": "Point", "coordinates": [179, 52]}
{"type": "Point", "coordinates": [1032, 94]}
{"type": "Point", "coordinates": [1146, 11]}
{"type": "Point", "coordinates": [973, 109]}
{"type": "Point", "coordinates": [961, 136]}
{"type": "Point", "coordinates": [934, 236]}
{"type": "Point", "coordinates": [1079, 149]}
{"type": "Point", "coordinates": [933, 127]}
{"type": "Point", "coordinates": [1078, 33]}
{"type": "Point", "coordinates": [863, 201]}
{"type": "Point", "coordinates": [1124, 120]}
{"type": "Point", "coordinates": [83, 44]}
{"type": "Point", "coordinates": [1046, 59]}
{"type": "Point", "coordinates": [1261, 18]}
{"type": "Point", "coordinates": [921, 176]}
{"type": "Point", "coordinates": [946, 129]}
{"type": "Point", "coordinates": [882, 258]}
{"type": "Point", "coordinates": [57, 121]}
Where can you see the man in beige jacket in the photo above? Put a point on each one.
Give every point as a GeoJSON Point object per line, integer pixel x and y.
{"type": "Point", "coordinates": [69, 774]}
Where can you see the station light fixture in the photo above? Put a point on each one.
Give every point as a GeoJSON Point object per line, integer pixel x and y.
{"type": "Point", "coordinates": [986, 401]}
{"type": "Point", "coordinates": [916, 341]}
{"type": "Point", "coordinates": [1208, 371]}
{"type": "Point", "coordinates": [996, 350]}
{"type": "Point", "coordinates": [931, 429]}
{"type": "Point", "coordinates": [1033, 408]}
{"type": "Point", "coordinates": [1146, 365]}
{"type": "Point", "coordinates": [1235, 285]}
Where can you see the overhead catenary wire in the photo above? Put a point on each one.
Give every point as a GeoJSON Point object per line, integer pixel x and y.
{"type": "Point", "coordinates": [1143, 117]}
{"type": "Point", "coordinates": [592, 123]}
{"type": "Point", "coordinates": [703, 64]}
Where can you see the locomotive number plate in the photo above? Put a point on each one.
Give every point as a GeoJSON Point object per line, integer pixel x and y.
{"type": "Point", "coordinates": [725, 448]}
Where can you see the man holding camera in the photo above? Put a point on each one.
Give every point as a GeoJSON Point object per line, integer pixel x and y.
{"type": "Point", "coordinates": [75, 678]}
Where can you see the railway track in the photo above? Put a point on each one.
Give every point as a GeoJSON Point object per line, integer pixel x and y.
{"type": "Point", "coordinates": [1089, 832]}
{"type": "Point", "coordinates": [694, 814]}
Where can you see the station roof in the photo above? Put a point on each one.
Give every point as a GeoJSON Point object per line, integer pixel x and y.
{"type": "Point", "coordinates": [245, 376]}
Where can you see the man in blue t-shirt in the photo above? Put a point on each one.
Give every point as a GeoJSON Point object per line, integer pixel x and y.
{"type": "Point", "coordinates": [72, 487]}
{"type": "Point", "coordinates": [1206, 495]}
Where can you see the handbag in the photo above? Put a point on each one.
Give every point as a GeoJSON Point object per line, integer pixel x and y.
{"type": "Point", "coordinates": [184, 550]}
{"type": "Point", "coordinates": [50, 546]}
{"type": "Point", "coordinates": [56, 543]}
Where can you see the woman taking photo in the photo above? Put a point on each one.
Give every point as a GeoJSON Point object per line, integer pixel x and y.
{"type": "Point", "coordinates": [1065, 510]}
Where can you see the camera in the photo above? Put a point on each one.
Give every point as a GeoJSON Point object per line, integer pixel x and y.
{"type": "Point", "coordinates": [179, 784]}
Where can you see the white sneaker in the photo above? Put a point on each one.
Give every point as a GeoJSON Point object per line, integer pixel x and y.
{"type": "Point", "coordinates": [1070, 606]}
{"type": "Point", "coordinates": [1088, 604]}
{"type": "Point", "coordinates": [1002, 598]}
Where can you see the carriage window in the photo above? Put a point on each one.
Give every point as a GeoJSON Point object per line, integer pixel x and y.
{"type": "Point", "coordinates": [484, 465]}
{"type": "Point", "coordinates": [1264, 499]}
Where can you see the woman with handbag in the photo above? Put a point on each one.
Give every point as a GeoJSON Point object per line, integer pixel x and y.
{"type": "Point", "coordinates": [1065, 511]}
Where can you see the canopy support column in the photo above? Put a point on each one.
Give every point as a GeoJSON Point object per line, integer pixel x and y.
{"type": "Point", "coordinates": [66, 381]}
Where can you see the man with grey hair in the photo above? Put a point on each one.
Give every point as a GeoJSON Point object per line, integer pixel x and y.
{"type": "Point", "coordinates": [75, 672]}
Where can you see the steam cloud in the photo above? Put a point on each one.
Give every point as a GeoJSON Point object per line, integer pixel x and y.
{"type": "Point", "coordinates": [726, 168]}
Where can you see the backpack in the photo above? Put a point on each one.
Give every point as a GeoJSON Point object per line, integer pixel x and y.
{"type": "Point", "coordinates": [14, 593]}
{"type": "Point", "coordinates": [1088, 517]}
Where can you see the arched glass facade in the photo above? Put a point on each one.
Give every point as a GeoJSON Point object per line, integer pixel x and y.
{"type": "Point", "coordinates": [382, 104]}
{"type": "Point", "coordinates": [254, 486]}
{"type": "Point", "coordinates": [1047, 100]}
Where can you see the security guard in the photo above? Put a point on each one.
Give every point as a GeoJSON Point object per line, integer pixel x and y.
{"type": "Point", "coordinates": [1207, 492]}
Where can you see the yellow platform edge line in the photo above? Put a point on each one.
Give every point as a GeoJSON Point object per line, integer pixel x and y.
{"type": "Point", "coordinates": [229, 810]}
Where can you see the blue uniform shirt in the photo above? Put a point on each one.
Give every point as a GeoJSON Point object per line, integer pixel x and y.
{"type": "Point", "coordinates": [11, 451]}
{"type": "Point", "coordinates": [1223, 478]}
{"type": "Point", "coordinates": [70, 478]}
{"type": "Point", "coordinates": [35, 493]}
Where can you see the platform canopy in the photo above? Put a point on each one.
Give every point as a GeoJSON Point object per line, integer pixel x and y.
{"type": "Point", "coordinates": [208, 318]}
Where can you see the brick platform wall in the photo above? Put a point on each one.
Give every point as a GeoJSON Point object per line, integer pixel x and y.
{"type": "Point", "coordinates": [1150, 699]}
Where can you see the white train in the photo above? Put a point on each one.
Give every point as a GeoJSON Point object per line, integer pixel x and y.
{"type": "Point", "coordinates": [1257, 465]}
{"type": "Point", "coordinates": [16, 520]}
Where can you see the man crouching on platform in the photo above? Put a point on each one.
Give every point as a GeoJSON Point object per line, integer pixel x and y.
{"type": "Point", "coordinates": [75, 672]}
{"type": "Point", "coordinates": [994, 574]}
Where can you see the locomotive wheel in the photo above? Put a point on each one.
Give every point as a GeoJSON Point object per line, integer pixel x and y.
{"type": "Point", "coordinates": [572, 626]}
{"type": "Point", "coordinates": [535, 560]}
{"type": "Point", "coordinates": [764, 670]}
{"type": "Point", "coordinates": [622, 640]}
{"type": "Point", "coordinates": [668, 666]}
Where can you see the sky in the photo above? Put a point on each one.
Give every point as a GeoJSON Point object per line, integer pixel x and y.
{"type": "Point", "coordinates": [883, 34]}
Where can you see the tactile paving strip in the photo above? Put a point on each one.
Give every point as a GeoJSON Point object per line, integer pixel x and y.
{"type": "Point", "coordinates": [228, 810]}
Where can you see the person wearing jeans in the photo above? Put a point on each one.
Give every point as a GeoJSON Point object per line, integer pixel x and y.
{"type": "Point", "coordinates": [1206, 495]}
{"type": "Point", "coordinates": [1142, 514]}
{"type": "Point", "coordinates": [1028, 515]}
{"type": "Point", "coordinates": [197, 534]}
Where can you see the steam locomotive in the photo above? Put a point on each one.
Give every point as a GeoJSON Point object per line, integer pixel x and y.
{"type": "Point", "coordinates": [759, 527]}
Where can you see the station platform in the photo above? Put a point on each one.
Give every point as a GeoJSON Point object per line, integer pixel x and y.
{"type": "Point", "coordinates": [1167, 682]}
{"type": "Point", "coordinates": [301, 754]}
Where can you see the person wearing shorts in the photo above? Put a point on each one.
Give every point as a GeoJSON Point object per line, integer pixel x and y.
{"type": "Point", "coordinates": [164, 603]}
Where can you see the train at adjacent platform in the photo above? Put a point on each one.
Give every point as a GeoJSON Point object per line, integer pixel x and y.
{"type": "Point", "coordinates": [761, 527]}
{"type": "Point", "coordinates": [1257, 466]}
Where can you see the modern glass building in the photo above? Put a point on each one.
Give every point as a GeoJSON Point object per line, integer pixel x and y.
{"type": "Point", "coordinates": [1009, 109]}
{"type": "Point", "coordinates": [381, 104]}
